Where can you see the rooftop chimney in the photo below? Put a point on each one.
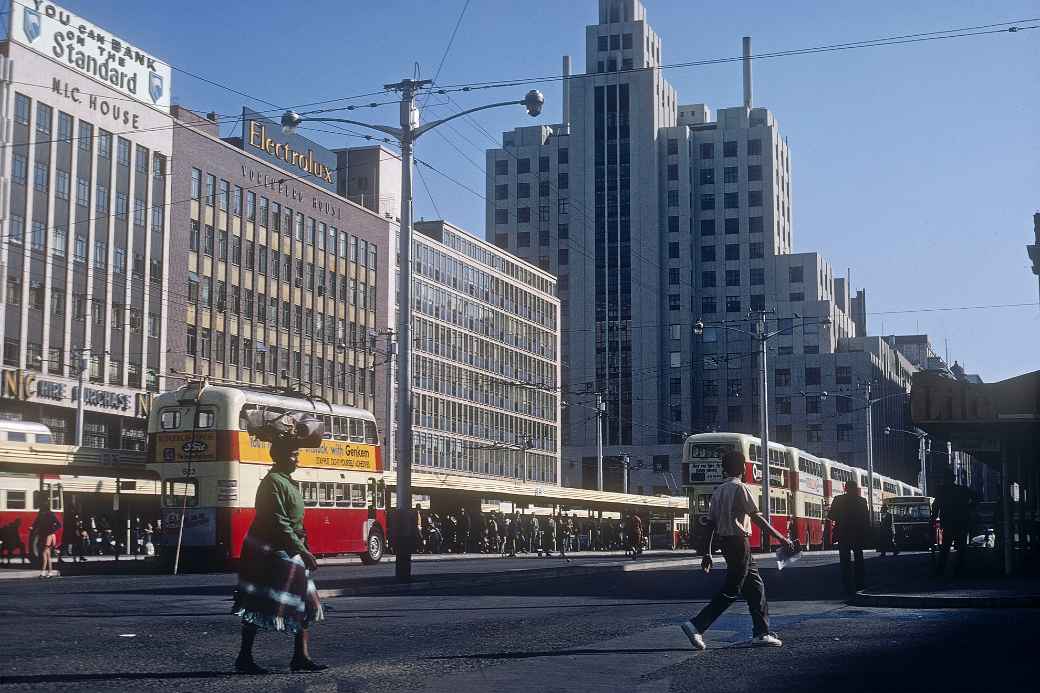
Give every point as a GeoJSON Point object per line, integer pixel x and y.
{"type": "Point", "coordinates": [566, 95]}
{"type": "Point", "coordinates": [747, 74]}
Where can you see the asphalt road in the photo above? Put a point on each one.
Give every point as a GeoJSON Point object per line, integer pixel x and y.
{"type": "Point", "coordinates": [589, 633]}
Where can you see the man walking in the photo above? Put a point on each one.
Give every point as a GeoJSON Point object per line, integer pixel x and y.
{"type": "Point", "coordinates": [953, 510]}
{"type": "Point", "coordinates": [730, 514]}
{"type": "Point", "coordinates": [850, 521]}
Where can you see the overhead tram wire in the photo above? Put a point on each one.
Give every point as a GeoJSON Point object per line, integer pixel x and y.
{"type": "Point", "coordinates": [1014, 26]}
{"type": "Point", "coordinates": [447, 50]}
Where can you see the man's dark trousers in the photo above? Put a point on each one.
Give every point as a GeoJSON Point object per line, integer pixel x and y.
{"type": "Point", "coordinates": [851, 575]}
{"type": "Point", "coordinates": [742, 579]}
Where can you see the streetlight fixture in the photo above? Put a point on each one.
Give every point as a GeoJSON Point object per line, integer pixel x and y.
{"type": "Point", "coordinates": [406, 135]}
{"type": "Point", "coordinates": [921, 454]}
{"type": "Point", "coordinates": [763, 336]}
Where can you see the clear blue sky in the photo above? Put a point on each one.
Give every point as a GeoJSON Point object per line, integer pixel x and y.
{"type": "Point", "coordinates": [916, 166]}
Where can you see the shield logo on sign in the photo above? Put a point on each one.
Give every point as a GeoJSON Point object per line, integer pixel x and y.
{"type": "Point", "coordinates": [155, 86]}
{"type": "Point", "coordinates": [31, 24]}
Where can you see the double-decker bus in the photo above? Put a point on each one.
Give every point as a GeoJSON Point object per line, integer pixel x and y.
{"type": "Point", "coordinates": [22, 496]}
{"type": "Point", "coordinates": [807, 486]}
{"type": "Point", "coordinates": [211, 467]}
{"type": "Point", "coordinates": [702, 457]}
{"type": "Point", "coordinates": [836, 476]}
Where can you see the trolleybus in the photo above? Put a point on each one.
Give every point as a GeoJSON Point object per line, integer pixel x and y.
{"type": "Point", "coordinates": [211, 467]}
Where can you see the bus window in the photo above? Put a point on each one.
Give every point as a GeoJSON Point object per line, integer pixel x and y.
{"type": "Point", "coordinates": [326, 494]}
{"type": "Point", "coordinates": [357, 495]}
{"type": "Point", "coordinates": [341, 428]}
{"type": "Point", "coordinates": [309, 489]}
{"type": "Point", "coordinates": [357, 431]}
{"type": "Point", "coordinates": [15, 500]}
{"type": "Point", "coordinates": [327, 426]}
{"type": "Point", "coordinates": [16, 437]}
{"type": "Point", "coordinates": [180, 492]}
{"type": "Point", "coordinates": [342, 495]}
{"type": "Point", "coordinates": [370, 433]}
{"type": "Point", "coordinates": [205, 418]}
{"type": "Point", "coordinates": [170, 420]}
{"type": "Point", "coordinates": [43, 438]}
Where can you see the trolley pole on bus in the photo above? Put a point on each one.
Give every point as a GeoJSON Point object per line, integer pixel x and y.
{"type": "Point", "coordinates": [409, 131]}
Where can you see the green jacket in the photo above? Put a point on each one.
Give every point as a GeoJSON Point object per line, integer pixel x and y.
{"type": "Point", "coordinates": [279, 513]}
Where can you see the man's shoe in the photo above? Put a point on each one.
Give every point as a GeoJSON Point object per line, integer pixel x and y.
{"type": "Point", "coordinates": [696, 639]}
{"type": "Point", "coordinates": [306, 665]}
{"type": "Point", "coordinates": [248, 666]}
{"type": "Point", "coordinates": [767, 640]}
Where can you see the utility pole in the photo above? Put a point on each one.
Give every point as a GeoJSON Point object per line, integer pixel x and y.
{"type": "Point", "coordinates": [389, 451]}
{"type": "Point", "coordinates": [870, 455]}
{"type": "Point", "coordinates": [764, 409]}
{"type": "Point", "coordinates": [79, 394]}
{"type": "Point", "coordinates": [922, 456]}
{"type": "Point", "coordinates": [625, 462]}
{"type": "Point", "coordinates": [601, 409]}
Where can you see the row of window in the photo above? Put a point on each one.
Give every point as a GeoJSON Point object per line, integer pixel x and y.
{"type": "Point", "coordinates": [523, 189]}
{"type": "Point", "coordinates": [730, 174]}
{"type": "Point", "coordinates": [55, 364]}
{"type": "Point", "coordinates": [523, 165]}
{"type": "Point", "coordinates": [466, 245]}
{"type": "Point", "coordinates": [337, 495]}
{"type": "Point", "coordinates": [523, 214]}
{"type": "Point", "coordinates": [451, 454]}
{"type": "Point", "coordinates": [707, 227]}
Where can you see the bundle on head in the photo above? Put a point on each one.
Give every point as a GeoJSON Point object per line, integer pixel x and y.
{"type": "Point", "coordinates": [285, 429]}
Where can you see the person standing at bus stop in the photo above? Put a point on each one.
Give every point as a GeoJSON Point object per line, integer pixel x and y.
{"type": "Point", "coordinates": [851, 524]}
{"type": "Point", "coordinates": [275, 590]}
{"type": "Point", "coordinates": [45, 527]}
{"type": "Point", "coordinates": [730, 513]}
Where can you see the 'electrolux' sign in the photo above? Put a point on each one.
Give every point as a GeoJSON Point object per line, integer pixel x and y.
{"type": "Point", "coordinates": [79, 45]}
{"type": "Point", "coordinates": [297, 155]}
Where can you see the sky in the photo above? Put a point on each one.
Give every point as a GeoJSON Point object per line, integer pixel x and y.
{"type": "Point", "coordinates": [915, 168]}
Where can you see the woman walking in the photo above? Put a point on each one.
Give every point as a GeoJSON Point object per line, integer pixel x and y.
{"type": "Point", "coordinates": [275, 591]}
{"type": "Point", "coordinates": [45, 527]}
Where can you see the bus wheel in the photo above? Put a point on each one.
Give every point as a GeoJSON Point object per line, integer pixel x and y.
{"type": "Point", "coordinates": [376, 548]}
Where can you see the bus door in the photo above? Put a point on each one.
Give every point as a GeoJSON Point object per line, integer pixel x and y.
{"type": "Point", "coordinates": [700, 498]}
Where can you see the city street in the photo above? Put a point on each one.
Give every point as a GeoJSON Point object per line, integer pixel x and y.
{"type": "Point", "coordinates": [615, 631]}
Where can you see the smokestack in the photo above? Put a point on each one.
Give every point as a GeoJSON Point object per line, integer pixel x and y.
{"type": "Point", "coordinates": [747, 74]}
{"type": "Point", "coordinates": [566, 95]}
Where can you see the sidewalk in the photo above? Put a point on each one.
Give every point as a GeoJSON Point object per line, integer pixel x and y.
{"type": "Point", "coordinates": [917, 588]}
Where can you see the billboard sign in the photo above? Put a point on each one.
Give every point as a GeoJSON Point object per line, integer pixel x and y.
{"type": "Point", "coordinates": [51, 30]}
{"type": "Point", "coordinates": [299, 156]}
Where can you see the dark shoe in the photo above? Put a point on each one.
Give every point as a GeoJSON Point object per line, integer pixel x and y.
{"type": "Point", "coordinates": [248, 666]}
{"type": "Point", "coordinates": [306, 665]}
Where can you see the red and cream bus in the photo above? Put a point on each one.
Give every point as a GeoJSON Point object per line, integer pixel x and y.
{"type": "Point", "coordinates": [211, 467]}
{"type": "Point", "coordinates": [807, 485]}
{"type": "Point", "coordinates": [22, 496]}
{"type": "Point", "coordinates": [835, 477]}
{"type": "Point", "coordinates": [702, 462]}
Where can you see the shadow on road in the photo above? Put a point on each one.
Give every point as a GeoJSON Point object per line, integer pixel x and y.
{"type": "Point", "coordinates": [126, 676]}
{"type": "Point", "coordinates": [558, 653]}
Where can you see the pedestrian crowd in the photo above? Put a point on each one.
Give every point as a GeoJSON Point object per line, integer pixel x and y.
{"type": "Point", "coordinates": [509, 534]}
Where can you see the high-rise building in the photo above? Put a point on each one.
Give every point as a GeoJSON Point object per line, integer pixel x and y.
{"type": "Point", "coordinates": [85, 218]}
{"type": "Point", "coordinates": [655, 215]}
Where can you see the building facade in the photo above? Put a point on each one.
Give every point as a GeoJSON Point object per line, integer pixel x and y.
{"type": "Point", "coordinates": [656, 215]}
{"type": "Point", "coordinates": [279, 281]}
{"type": "Point", "coordinates": [85, 149]}
{"type": "Point", "coordinates": [486, 356]}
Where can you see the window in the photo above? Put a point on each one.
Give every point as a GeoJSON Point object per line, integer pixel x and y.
{"type": "Point", "coordinates": [675, 359]}
{"type": "Point", "coordinates": [20, 169]}
{"type": "Point", "coordinates": [674, 302]}
{"type": "Point", "coordinates": [783, 405]}
{"type": "Point", "coordinates": [707, 150]}
{"type": "Point", "coordinates": [785, 325]}
{"type": "Point", "coordinates": [754, 172]}
{"type": "Point", "coordinates": [141, 160]}
{"type": "Point", "coordinates": [754, 198]}
{"type": "Point", "coordinates": [22, 105]}
{"type": "Point", "coordinates": [709, 305]}
{"type": "Point", "coordinates": [16, 232]}
{"type": "Point", "coordinates": [673, 172]}
{"type": "Point", "coordinates": [80, 249]}
{"type": "Point", "coordinates": [795, 275]}
{"type": "Point", "coordinates": [139, 216]}
{"type": "Point", "coordinates": [563, 156]}
{"type": "Point", "coordinates": [844, 432]}
{"type": "Point", "coordinates": [122, 209]}
{"type": "Point", "coordinates": [100, 255]}
{"type": "Point", "coordinates": [843, 376]}
{"type": "Point", "coordinates": [563, 181]}
{"type": "Point", "coordinates": [796, 296]}
{"type": "Point", "coordinates": [563, 256]}
{"type": "Point", "coordinates": [123, 152]}
{"type": "Point", "coordinates": [673, 250]}
{"type": "Point", "coordinates": [730, 200]}
{"type": "Point", "coordinates": [758, 302]}
{"type": "Point", "coordinates": [843, 405]}
{"type": "Point", "coordinates": [36, 295]}
{"type": "Point", "coordinates": [59, 239]}
{"type": "Point", "coordinates": [707, 227]}
{"type": "Point", "coordinates": [814, 433]}
{"type": "Point", "coordinates": [43, 119]}
{"type": "Point", "coordinates": [811, 349]}
{"type": "Point", "coordinates": [758, 276]}
{"type": "Point", "coordinates": [754, 147]}
{"type": "Point", "coordinates": [61, 184]}
{"type": "Point", "coordinates": [502, 167]}
{"type": "Point", "coordinates": [707, 253]}
{"type": "Point", "coordinates": [812, 404]}
{"type": "Point", "coordinates": [756, 250]}
{"type": "Point", "coordinates": [523, 240]}
{"type": "Point", "coordinates": [251, 206]}
{"type": "Point", "coordinates": [708, 279]}
{"type": "Point", "coordinates": [523, 190]}
{"type": "Point", "coordinates": [782, 377]}
{"type": "Point", "coordinates": [41, 176]}
{"type": "Point", "coordinates": [732, 226]}
{"type": "Point", "coordinates": [523, 165]}
{"type": "Point", "coordinates": [208, 240]}
{"type": "Point", "coordinates": [812, 376]}
{"type": "Point", "coordinates": [707, 202]}
{"type": "Point", "coordinates": [732, 251]}
{"type": "Point", "coordinates": [543, 164]}
{"type": "Point", "coordinates": [755, 224]}
{"type": "Point", "coordinates": [710, 387]}
{"type": "Point", "coordinates": [673, 198]}
{"type": "Point", "coordinates": [196, 184]}
{"type": "Point", "coordinates": [104, 144]}
{"type": "Point", "coordinates": [734, 387]}
{"type": "Point", "coordinates": [732, 277]}
{"type": "Point", "coordinates": [733, 304]}
{"type": "Point", "coordinates": [502, 192]}
{"type": "Point", "coordinates": [561, 206]}
{"type": "Point", "coordinates": [707, 176]}
{"type": "Point", "coordinates": [729, 148]}
{"type": "Point", "coordinates": [523, 215]}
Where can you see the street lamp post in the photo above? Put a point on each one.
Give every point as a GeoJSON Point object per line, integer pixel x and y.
{"type": "Point", "coordinates": [762, 336]}
{"type": "Point", "coordinates": [406, 135]}
{"type": "Point", "coordinates": [921, 453]}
